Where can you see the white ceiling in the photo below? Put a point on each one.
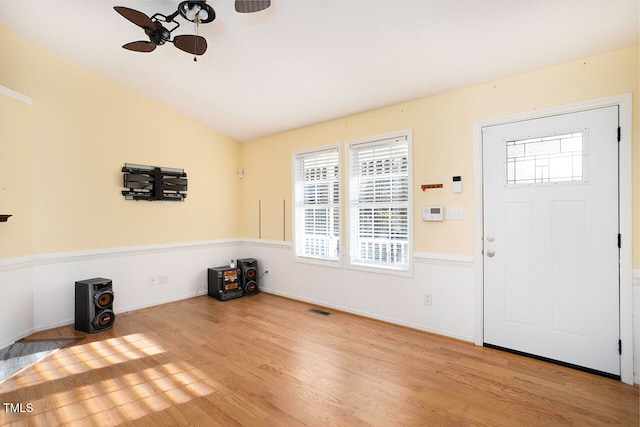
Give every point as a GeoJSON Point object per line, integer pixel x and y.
{"type": "Point", "coordinates": [306, 61]}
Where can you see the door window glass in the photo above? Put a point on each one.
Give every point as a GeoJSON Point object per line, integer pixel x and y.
{"type": "Point", "coordinates": [550, 159]}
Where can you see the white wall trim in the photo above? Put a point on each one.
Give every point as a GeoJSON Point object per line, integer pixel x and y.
{"type": "Point", "coordinates": [458, 260]}
{"type": "Point", "coordinates": [16, 263]}
{"type": "Point", "coordinates": [119, 312]}
{"type": "Point", "coordinates": [7, 264]}
{"type": "Point", "coordinates": [15, 95]}
{"type": "Point", "coordinates": [454, 260]}
{"type": "Point", "coordinates": [267, 243]}
{"type": "Point", "coordinates": [626, 294]}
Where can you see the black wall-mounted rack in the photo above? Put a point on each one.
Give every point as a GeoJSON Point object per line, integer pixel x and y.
{"type": "Point", "coordinates": [154, 183]}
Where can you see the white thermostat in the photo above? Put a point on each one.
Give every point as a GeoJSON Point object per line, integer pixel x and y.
{"type": "Point", "coordinates": [432, 213]}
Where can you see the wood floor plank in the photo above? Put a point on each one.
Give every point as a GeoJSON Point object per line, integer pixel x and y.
{"type": "Point", "coordinates": [268, 361]}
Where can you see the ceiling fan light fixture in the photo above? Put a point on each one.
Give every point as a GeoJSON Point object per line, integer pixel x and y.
{"type": "Point", "coordinates": [203, 15]}
{"type": "Point", "coordinates": [196, 11]}
{"type": "Point", "coordinates": [191, 13]}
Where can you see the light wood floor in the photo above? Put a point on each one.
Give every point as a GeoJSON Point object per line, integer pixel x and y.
{"type": "Point", "coordinates": [268, 361]}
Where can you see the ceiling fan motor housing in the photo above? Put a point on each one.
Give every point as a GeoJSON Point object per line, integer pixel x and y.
{"type": "Point", "coordinates": [159, 35]}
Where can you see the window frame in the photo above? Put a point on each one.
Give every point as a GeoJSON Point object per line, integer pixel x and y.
{"type": "Point", "coordinates": [350, 189]}
{"type": "Point", "coordinates": [298, 255]}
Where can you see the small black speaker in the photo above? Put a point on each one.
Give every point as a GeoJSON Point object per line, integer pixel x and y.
{"type": "Point", "coordinates": [94, 305]}
{"type": "Point", "coordinates": [248, 275]}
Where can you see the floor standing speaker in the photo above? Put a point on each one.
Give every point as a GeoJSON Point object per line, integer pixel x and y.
{"type": "Point", "coordinates": [94, 305]}
{"type": "Point", "coordinates": [248, 275]}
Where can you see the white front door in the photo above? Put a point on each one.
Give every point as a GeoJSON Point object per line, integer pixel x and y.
{"type": "Point", "coordinates": [550, 230]}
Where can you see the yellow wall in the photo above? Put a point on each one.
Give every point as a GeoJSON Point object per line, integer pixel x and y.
{"type": "Point", "coordinates": [442, 144]}
{"type": "Point", "coordinates": [15, 177]}
{"type": "Point", "coordinates": [83, 128]}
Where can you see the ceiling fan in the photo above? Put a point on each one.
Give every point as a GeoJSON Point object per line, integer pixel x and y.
{"type": "Point", "coordinates": [196, 11]}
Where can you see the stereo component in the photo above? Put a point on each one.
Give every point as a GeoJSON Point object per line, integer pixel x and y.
{"type": "Point", "coordinates": [94, 305]}
{"type": "Point", "coordinates": [224, 283]}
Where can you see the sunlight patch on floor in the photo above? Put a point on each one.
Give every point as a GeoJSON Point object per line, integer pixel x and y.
{"type": "Point", "coordinates": [108, 383]}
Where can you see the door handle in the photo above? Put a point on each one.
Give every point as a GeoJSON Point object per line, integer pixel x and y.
{"type": "Point", "coordinates": [490, 253]}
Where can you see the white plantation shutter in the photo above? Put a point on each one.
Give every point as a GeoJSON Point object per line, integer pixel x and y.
{"type": "Point", "coordinates": [317, 204]}
{"type": "Point", "coordinates": [379, 203]}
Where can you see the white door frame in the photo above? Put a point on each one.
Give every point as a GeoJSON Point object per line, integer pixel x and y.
{"type": "Point", "coordinates": [626, 291]}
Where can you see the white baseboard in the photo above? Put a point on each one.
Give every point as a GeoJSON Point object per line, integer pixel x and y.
{"type": "Point", "coordinates": [121, 311]}
{"type": "Point", "coordinates": [370, 315]}
{"type": "Point", "coordinates": [5, 342]}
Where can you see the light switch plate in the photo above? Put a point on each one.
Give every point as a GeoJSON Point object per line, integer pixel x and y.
{"type": "Point", "coordinates": [455, 213]}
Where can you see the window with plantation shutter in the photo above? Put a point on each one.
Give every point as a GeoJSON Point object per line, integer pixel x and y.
{"type": "Point", "coordinates": [317, 204]}
{"type": "Point", "coordinates": [380, 202]}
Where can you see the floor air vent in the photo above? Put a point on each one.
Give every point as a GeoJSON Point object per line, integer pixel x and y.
{"type": "Point", "coordinates": [318, 311]}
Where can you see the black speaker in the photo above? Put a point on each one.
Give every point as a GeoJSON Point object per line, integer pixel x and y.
{"type": "Point", "coordinates": [248, 275]}
{"type": "Point", "coordinates": [94, 305]}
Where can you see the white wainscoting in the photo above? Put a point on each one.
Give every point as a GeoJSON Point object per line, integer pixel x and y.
{"type": "Point", "coordinates": [185, 266]}
{"type": "Point", "coordinates": [38, 291]}
{"type": "Point", "coordinates": [16, 299]}
{"type": "Point", "coordinates": [396, 299]}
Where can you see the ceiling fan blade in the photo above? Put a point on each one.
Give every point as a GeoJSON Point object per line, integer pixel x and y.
{"type": "Point", "coordinates": [196, 45]}
{"type": "Point", "coordinates": [140, 46]}
{"type": "Point", "coordinates": [138, 18]}
{"type": "Point", "coordinates": [250, 6]}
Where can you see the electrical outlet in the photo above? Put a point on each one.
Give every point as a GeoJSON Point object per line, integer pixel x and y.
{"type": "Point", "coordinates": [152, 281]}
{"type": "Point", "coordinates": [163, 280]}
{"type": "Point", "coordinates": [427, 299]}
